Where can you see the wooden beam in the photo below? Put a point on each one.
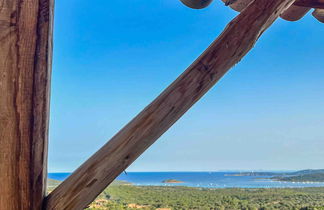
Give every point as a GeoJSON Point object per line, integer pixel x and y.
{"type": "Point", "coordinates": [294, 13]}
{"type": "Point", "coordinates": [310, 3]}
{"type": "Point", "coordinates": [91, 178]}
{"type": "Point", "coordinates": [319, 15]}
{"type": "Point", "coordinates": [239, 5]}
{"type": "Point", "coordinates": [25, 66]}
{"type": "Point", "coordinates": [196, 4]}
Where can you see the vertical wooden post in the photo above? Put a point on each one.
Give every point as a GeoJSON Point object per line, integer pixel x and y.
{"type": "Point", "coordinates": [25, 68]}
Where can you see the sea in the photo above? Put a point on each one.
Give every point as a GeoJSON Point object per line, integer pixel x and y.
{"type": "Point", "coordinates": [201, 180]}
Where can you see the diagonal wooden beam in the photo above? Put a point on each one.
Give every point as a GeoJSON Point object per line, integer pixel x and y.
{"type": "Point", "coordinates": [25, 69]}
{"type": "Point", "coordinates": [91, 178]}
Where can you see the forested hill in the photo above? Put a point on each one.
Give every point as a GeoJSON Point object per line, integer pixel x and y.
{"type": "Point", "coordinates": [311, 177]}
{"type": "Point", "coordinates": [308, 175]}
{"type": "Point", "coordinates": [295, 173]}
{"type": "Point", "coordinates": [308, 171]}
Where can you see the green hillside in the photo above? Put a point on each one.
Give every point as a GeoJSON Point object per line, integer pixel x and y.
{"type": "Point", "coordinates": [122, 195]}
{"type": "Point", "coordinates": [169, 198]}
{"type": "Point", "coordinates": [312, 177]}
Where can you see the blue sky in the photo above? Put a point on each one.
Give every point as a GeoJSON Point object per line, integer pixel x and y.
{"type": "Point", "coordinates": [112, 58]}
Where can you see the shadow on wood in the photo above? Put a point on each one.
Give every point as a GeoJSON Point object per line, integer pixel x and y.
{"type": "Point", "coordinates": [25, 68]}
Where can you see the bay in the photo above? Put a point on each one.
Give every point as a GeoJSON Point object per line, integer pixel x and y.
{"type": "Point", "coordinates": [201, 179]}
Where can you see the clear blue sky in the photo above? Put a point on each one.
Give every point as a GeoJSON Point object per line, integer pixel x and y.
{"type": "Point", "coordinates": [111, 58]}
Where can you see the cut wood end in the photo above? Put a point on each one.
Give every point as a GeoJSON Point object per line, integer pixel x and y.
{"type": "Point", "coordinates": [196, 4]}
{"type": "Point", "coordinates": [294, 13]}
{"type": "Point", "coordinates": [319, 15]}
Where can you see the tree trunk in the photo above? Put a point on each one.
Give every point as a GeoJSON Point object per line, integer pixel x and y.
{"type": "Point", "coordinates": [25, 68]}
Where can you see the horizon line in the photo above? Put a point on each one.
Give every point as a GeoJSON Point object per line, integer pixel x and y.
{"type": "Point", "coordinates": [205, 171]}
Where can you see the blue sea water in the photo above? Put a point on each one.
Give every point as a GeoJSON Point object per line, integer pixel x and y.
{"type": "Point", "coordinates": [201, 179]}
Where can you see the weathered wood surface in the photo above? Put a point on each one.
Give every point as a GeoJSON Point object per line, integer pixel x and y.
{"type": "Point", "coordinates": [239, 5]}
{"type": "Point", "coordinates": [103, 167]}
{"type": "Point", "coordinates": [310, 3]}
{"type": "Point", "coordinates": [25, 65]}
{"type": "Point", "coordinates": [294, 13]}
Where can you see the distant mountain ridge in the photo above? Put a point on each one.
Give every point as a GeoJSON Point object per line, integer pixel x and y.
{"type": "Point", "coordinates": [303, 176]}
{"type": "Point", "coordinates": [265, 173]}
{"type": "Point", "coordinates": [316, 177]}
{"type": "Point", "coordinates": [254, 173]}
{"type": "Point", "coordinates": [307, 171]}
{"type": "Point", "coordinates": [307, 175]}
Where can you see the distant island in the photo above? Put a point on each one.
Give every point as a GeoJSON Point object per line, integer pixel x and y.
{"type": "Point", "coordinates": [172, 181]}
{"type": "Point", "coordinates": [254, 174]}
{"type": "Point", "coordinates": [309, 175]}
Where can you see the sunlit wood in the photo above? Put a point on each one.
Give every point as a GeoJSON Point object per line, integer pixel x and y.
{"type": "Point", "coordinates": [25, 66]}
{"type": "Point", "coordinates": [91, 178]}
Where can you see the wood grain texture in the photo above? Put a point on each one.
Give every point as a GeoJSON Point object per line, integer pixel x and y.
{"type": "Point", "coordinates": [25, 65]}
{"type": "Point", "coordinates": [240, 5]}
{"type": "Point", "coordinates": [294, 13]}
{"type": "Point", "coordinates": [104, 166]}
{"type": "Point", "coordinates": [310, 3]}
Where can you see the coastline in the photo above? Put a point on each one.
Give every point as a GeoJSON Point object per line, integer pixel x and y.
{"type": "Point", "coordinates": [215, 180]}
{"type": "Point", "coordinates": [124, 195]}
